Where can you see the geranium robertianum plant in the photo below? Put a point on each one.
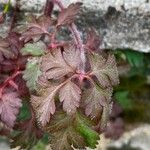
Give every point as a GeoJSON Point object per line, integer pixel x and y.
{"type": "Point", "coordinates": [68, 84]}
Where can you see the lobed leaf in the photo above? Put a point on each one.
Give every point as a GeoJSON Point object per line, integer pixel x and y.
{"type": "Point", "coordinates": [44, 105]}
{"type": "Point", "coordinates": [64, 134]}
{"type": "Point", "coordinates": [97, 103]}
{"type": "Point", "coordinates": [9, 108]}
{"type": "Point", "coordinates": [56, 65]}
{"type": "Point", "coordinates": [68, 15]}
{"type": "Point", "coordinates": [5, 51]}
{"type": "Point", "coordinates": [34, 49]}
{"type": "Point", "coordinates": [105, 70]}
{"type": "Point", "coordinates": [70, 95]}
{"type": "Point", "coordinates": [37, 28]}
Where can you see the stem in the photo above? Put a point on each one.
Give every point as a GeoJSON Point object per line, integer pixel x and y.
{"type": "Point", "coordinates": [8, 81]}
{"type": "Point", "coordinates": [77, 38]}
{"type": "Point", "coordinates": [6, 7]}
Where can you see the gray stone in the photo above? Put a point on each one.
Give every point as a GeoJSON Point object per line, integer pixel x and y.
{"type": "Point", "coordinates": [138, 138]}
{"type": "Point", "coordinates": [121, 23]}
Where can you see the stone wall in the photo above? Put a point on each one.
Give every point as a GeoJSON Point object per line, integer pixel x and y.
{"type": "Point", "coordinates": [121, 23]}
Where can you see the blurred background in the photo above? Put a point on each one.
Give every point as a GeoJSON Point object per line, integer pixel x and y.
{"type": "Point", "coordinates": [124, 27]}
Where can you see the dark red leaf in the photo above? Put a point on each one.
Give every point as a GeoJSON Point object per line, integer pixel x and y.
{"type": "Point", "coordinates": [68, 15]}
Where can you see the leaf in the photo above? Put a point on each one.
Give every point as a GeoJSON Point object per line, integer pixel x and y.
{"type": "Point", "coordinates": [70, 95]}
{"type": "Point", "coordinates": [95, 100]}
{"type": "Point", "coordinates": [37, 28]}
{"type": "Point", "coordinates": [83, 127]}
{"type": "Point", "coordinates": [56, 65]}
{"type": "Point", "coordinates": [27, 134]}
{"type": "Point", "coordinates": [9, 108]}
{"type": "Point", "coordinates": [44, 105]}
{"type": "Point", "coordinates": [64, 134]}
{"type": "Point", "coordinates": [135, 59]}
{"type": "Point", "coordinates": [32, 73]}
{"type": "Point", "coordinates": [68, 15]}
{"type": "Point", "coordinates": [5, 51]}
{"type": "Point", "coordinates": [123, 99]}
{"type": "Point", "coordinates": [105, 70]}
{"type": "Point", "coordinates": [35, 49]}
{"type": "Point", "coordinates": [93, 41]}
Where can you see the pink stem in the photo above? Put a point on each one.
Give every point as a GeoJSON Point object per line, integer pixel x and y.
{"type": "Point", "coordinates": [8, 81]}
{"type": "Point", "coordinates": [77, 38]}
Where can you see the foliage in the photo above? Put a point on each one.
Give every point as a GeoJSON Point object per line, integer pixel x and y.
{"type": "Point", "coordinates": [69, 83]}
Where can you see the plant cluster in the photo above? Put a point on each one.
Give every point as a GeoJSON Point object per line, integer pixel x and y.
{"type": "Point", "coordinates": [67, 84]}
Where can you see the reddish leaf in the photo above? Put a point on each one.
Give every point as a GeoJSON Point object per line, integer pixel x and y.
{"type": "Point", "coordinates": [93, 41]}
{"type": "Point", "coordinates": [105, 70]}
{"type": "Point", "coordinates": [37, 28]}
{"type": "Point", "coordinates": [9, 108]}
{"type": "Point", "coordinates": [5, 51]}
{"type": "Point", "coordinates": [68, 15]}
{"type": "Point", "coordinates": [56, 65]}
{"type": "Point", "coordinates": [96, 102]}
{"type": "Point", "coordinates": [70, 96]}
{"type": "Point", "coordinates": [15, 43]}
{"type": "Point", "coordinates": [44, 105]}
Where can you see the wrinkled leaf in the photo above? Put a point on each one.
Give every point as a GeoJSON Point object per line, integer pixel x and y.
{"type": "Point", "coordinates": [105, 70]}
{"type": "Point", "coordinates": [5, 51]}
{"type": "Point", "coordinates": [68, 15]}
{"type": "Point", "coordinates": [32, 73]}
{"type": "Point", "coordinates": [44, 105]}
{"type": "Point", "coordinates": [35, 49]}
{"type": "Point", "coordinates": [70, 95]}
{"type": "Point", "coordinates": [37, 28]}
{"type": "Point", "coordinates": [56, 65]}
{"type": "Point", "coordinates": [64, 134]}
{"type": "Point", "coordinates": [9, 108]}
{"type": "Point", "coordinates": [95, 100]}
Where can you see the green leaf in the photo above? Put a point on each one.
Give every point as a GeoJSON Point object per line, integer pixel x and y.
{"type": "Point", "coordinates": [32, 73]}
{"type": "Point", "coordinates": [35, 49]}
{"type": "Point", "coordinates": [24, 112]}
{"type": "Point", "coordinates": [39, 146]}
{"type": "Point", "coordinates": [83, 127]}
{"type": "Point", "coordinates": [63, 133]}
{"type": "Point", "coordinates": [123, 99]}
{"type": "Point", "coordinates": [134, 58]}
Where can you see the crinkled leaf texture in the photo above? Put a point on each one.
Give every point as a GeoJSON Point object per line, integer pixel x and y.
{"type": "Point", "coordinates": [105, 70]}
{"type": "Point", "coordinates": [57, 64]}
{"type": "Point", "coordinates": [95, 99]}
{"type": "Point", "coordinates": [32, 73]}
{"type": "Point", "coordinates": [70, 131]}
{"type": "Point", "coordinates": [44, 105]}
{"type": "Point", "coordinates": [35, 49]}
{"type": "Point", "coordinates": [37, 28]}
{"type": "Point", "coordinates": [70, 95]}
{"type": "Point", "coordinates": [9, 108]}
{"type": "Point", "coordinates": [68, 15]}
{"type": "Point", "coordinates": [5, 51]}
